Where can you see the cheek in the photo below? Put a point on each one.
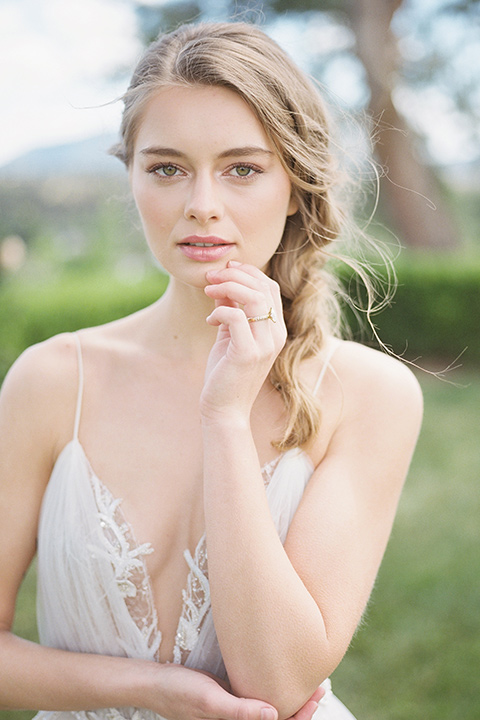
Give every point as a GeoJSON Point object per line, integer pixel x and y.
{"type": "Point", "coordinates": [154, 213]}
{"type": "Point", "coordinates": [144, 201]}
{"type": "Point", "coordinates": [276, 207]}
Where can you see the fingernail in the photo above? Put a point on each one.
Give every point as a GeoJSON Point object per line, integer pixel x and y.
{"type": "Point", "coordinates": [235, 263]}
{"type": "Point", "coordinates": [267, 713]}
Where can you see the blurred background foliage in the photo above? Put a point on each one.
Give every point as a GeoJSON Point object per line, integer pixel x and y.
{"type": "Point", "coordinates": [72, 254]}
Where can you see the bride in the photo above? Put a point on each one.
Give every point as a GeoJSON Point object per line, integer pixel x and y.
{"type": "Point", "coordinates": [209, 483]}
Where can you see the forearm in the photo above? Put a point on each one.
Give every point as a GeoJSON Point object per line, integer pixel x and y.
{"type": "Point", "coordinates": [270, 630]}
{"type": "Point", "coordinates": [33, 677]}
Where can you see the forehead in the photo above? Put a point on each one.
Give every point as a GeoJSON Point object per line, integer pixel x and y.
{"type": "Point", "coordinates": [199, 117]}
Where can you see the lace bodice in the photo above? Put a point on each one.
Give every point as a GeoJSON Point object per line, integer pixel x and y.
{"type": "Point", "coordinates": [119, 548]}
{"type": "Point", "coordinates": [94, 591]}
{"type": "Point", "coordinates": [127, 558]}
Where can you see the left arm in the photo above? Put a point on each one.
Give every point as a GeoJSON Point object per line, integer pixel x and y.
{"type": "Point", "coordinates": [285, 615]}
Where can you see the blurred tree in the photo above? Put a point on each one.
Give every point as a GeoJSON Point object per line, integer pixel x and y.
{"type": "Point", "coordinates": [407, 181]}
{"type": "Point", "coordinates": [412, 198]}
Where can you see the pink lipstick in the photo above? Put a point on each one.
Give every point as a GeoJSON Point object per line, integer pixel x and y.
{"type": "Point", "coordinates": [205, 248]}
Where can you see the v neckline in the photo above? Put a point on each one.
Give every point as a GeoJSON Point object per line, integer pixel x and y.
{"type": "Point", "coordinates": [187, 631]}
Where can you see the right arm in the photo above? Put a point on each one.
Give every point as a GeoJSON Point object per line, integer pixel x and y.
{"type": "Point", "coordinates": [38, 398]}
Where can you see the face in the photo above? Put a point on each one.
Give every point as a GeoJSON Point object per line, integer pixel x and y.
{"type": "Point", "coordinates": [207, 183]}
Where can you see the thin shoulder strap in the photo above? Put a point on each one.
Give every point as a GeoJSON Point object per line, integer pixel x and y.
{"type": "Point", "coordinates": [326, 363]}
{"type": "Point", "coordinates": [78, 410]}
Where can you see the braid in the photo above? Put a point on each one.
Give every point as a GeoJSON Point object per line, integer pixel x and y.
{"type": "Point", "coordinates": [310, 310]}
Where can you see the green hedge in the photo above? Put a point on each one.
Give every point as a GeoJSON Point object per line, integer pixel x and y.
{"type": "Point", "coordinates": [30, 313]}
{"type": "Point", "coordinates": [435, 313]}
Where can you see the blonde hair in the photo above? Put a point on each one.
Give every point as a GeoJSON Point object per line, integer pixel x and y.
{"type": "Point", "coordinates": [242, 58]}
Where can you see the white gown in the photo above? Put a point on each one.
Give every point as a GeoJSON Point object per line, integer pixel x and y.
{"type": "Point", "coordinates": [94, 593]}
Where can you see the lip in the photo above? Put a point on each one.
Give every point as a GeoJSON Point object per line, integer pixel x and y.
{"type": "Point", "coordinates": [215, 248]}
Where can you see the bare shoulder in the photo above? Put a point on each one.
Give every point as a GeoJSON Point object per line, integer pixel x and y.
{"type": "Point", "coordinates": [364, 371]}
{"type": "Point", "coordinates": [40, 388]}
{"type": "Point", "coordinates": [377, 387]}
{"type": "Point", "coordinates": [42, 365]}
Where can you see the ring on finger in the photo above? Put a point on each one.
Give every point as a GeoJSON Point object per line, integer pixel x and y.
{"type": "Point", "coordinates": [269, 316]}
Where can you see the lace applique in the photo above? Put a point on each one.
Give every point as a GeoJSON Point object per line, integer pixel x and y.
{"type": "Point", "coordinates": [196, 602]}
{"type": "Point", "coordinates": [269, 468]}
{"type": "Point", "coordinates": [196, 596]}
{"type": "Point", "coordinates": [127, 559]}
{"type": "Point", "coordinates": [129, 713]}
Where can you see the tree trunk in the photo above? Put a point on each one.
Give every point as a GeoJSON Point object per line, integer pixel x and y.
{"type": "Point", "coordinates": [409, 189]}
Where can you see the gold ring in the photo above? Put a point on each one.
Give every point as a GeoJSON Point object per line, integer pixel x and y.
{"type": "Point", "coordinates": [269, 316]}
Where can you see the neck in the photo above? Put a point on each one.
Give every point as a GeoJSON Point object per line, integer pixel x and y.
{"type": "Point", "coordinates": [181, 314]}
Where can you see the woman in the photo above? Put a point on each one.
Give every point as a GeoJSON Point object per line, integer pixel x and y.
{"type": "Point", "coordinates": [224, 418]}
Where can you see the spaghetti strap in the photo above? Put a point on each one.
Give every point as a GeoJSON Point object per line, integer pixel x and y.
{"type": "Point", "coordinates": [325, 366]}
{"type": "Point", "coordinates": [78, 410]}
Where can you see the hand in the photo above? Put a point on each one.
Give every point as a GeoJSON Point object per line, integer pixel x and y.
{"type": "Point", "coordinates": [187, 694]}
{"type": "Point", "coordinates": [244, 352]}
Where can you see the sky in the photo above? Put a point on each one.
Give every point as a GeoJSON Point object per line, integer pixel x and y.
{"type": "Point", "coordinates": [60, 60]}
{"type": "Point", "coordinates": [64, 62]}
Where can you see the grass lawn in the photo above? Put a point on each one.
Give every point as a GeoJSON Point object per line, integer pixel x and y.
{"type": "Point", "coordinates": [417, 654]}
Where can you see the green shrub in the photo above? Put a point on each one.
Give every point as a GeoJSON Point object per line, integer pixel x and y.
{"type": "Point", "coordinates": [435, 312]}
{"type": "Point", "coordinates": [34, 312]}
{"type": "Point", "coordinates": [434, 315]}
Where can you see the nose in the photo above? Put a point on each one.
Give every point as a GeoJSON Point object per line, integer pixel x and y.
{"type": "Point", "coordinates": [203, 202]}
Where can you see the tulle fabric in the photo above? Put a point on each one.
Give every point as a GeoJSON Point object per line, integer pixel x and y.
{"type": "Point", "coordinates": [83, 571]}
{"type": "Point", "coordinates": [93, 586]}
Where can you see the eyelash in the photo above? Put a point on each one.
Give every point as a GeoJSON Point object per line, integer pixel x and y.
{"type": "Point", "coordinates": [154, 170]}
{"type": "Point", "coordinates": [256, 171]}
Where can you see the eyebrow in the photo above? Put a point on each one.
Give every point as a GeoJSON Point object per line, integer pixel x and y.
{"type": "Point", "coordinates": [231, 152]}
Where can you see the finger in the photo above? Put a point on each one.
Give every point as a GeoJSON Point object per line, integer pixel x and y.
{"type": "Point", "coordinates": [318, 694]}
{"type": "Point", "coordinates": [225, 301]}
{"type": "Point", "coordinates": [255, 304]}
{"type": "Point", "coordinates": [247, 275]}
{"type": "Point", "coordinates": [235, 320]}
{"type": "Point", "coordinates": [254, 300]}
{"type": "Point", "coordinates": [254, 281]}
{"type": "Point", "coordinates": [257, 274]}
{"type": "Point", "coordinates": [249, 269]}
{"type": "Point", "coordinates": [307, 711]}
{"type": "Point", "coordinates": [249, 342]}
{"type": "Point", "coordinates": [233, 708]}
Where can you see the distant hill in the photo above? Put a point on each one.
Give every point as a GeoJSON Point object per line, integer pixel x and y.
{"type": "Point", "coordinates": [90, 157]}
{"type": "Point", "coordinates": [83, 157]}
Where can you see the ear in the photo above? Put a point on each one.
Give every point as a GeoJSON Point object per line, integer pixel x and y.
{"type": "Point", "coordinates": [292, 205]}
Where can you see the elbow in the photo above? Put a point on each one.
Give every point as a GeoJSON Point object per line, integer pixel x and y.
{"type": "Point", "coordinates": [290, 685]}
{"type": "Point", "coordinates": [290, 700]}
{"type": "Point", "coordinates": [287, 691]}
{"type": "Point", "coordinates": [291, 695]}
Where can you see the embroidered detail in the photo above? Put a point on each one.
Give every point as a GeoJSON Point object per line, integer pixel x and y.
{"type": "Point", "coordinates": [127, 560]}
{"type": "Point", "coordinates": [268, 470]}
{"type": "Point", "coordinates": [196, 596]}
{"type": "Point", "coordinates": [196, 602]}
{"type": "Point", "coordinates": [125, 713]}
{"type": "Point", "coordinates": [130, 713]}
